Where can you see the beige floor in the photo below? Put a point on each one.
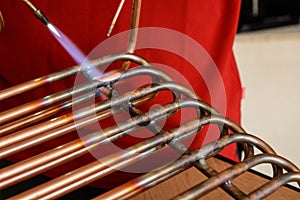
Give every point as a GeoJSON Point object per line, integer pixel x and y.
{"type": "Point", "coordinates": [269, 64]}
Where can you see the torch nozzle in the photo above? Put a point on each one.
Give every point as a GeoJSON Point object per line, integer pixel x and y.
{"type": "Point", "coordinates": [41, 16]}
{"type": "Point", "coordinates": [37, 12]}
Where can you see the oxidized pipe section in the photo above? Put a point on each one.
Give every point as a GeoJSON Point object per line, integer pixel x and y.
{"type": "Point", "coordinates": [42, 120]}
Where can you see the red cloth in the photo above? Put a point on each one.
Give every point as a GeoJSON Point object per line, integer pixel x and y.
{"type": "Point", "coordinates": [28, 50]}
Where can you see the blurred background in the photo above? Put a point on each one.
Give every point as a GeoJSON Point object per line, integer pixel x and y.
{"type": "Point", "coordinates": [267, 49]}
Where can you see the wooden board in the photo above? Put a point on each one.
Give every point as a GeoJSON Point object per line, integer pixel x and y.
{"type": "Point", "coordinates": [246, 182]}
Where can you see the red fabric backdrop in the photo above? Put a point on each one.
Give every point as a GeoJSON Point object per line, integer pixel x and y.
{"type": "Point", "coordinates": [28, 50]}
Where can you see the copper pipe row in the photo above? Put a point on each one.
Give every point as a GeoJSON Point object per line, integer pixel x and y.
{"type": "Point", "coordinates": [33, 163]}
{"type": "Point", "coordinates": [142, 183]}
{"type": "Point", "coordinates": [183, 89]}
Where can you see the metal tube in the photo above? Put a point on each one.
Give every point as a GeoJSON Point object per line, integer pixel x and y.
{"type": "Point", "coordinates": [30, 5]}
{"type": "Point", "coordinates": [30, 107]}
{"type": "Point", "coordinates": [35, 83]}
{"type": "Point", "coordinates": [213, 182]}
{"type": "Point", "coordinates": [115, 17]}
{"type": "Point", "coordinates": [41, 138]}
{"type": "Point", "coordinates": [274, 184]}
{"type": "Point", "coordinates": [135, 19]}
{"type": "Point", "coordinates": [28, 120]}
{"type": "Point", "coordinates": [134, 24]}
{"type": "Point", "coordinates": [145, 181]}
{"type": "Point", "coordinates": [35, 130]}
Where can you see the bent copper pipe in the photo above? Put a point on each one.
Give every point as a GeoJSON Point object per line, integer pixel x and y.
{"type": "Point", "coordinates": [38, 82]}
{"type": "Point", "coordinates": [143, 182]}
{"type": "Point", "coordinates": [274, 184]}
{"type": "Point", "coordinates": [213, 182]}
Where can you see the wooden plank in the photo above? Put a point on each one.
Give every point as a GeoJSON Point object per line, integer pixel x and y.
{"type": "Point", "coordinates": [246, 182]}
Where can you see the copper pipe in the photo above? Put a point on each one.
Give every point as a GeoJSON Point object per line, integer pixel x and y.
{"type": "Point", "coordinates": [10, 139]}
{"type": "Point", "coordinates": [29, 85]}
{"type": "Point", "coordinates": [115, 17]}
{"type": "Point", "coordinates": [41, 138]}
{"type": "Point", "coordinates": [30, 107]}
{"type": "Point", "coordinates": [28, 120]}
{"type": "Point", "coordinates": [134, 24]}
{"type": "Point", "coordinates": [204, 167]}
{"type": "Point", "coordinates": [274, 184]}
{"type": "Point", "coordinates": [229, 188]}
{"type": "Point", "coordinates": [213, 182]}
{"type": "Point", "coordinates": [143, 182]}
